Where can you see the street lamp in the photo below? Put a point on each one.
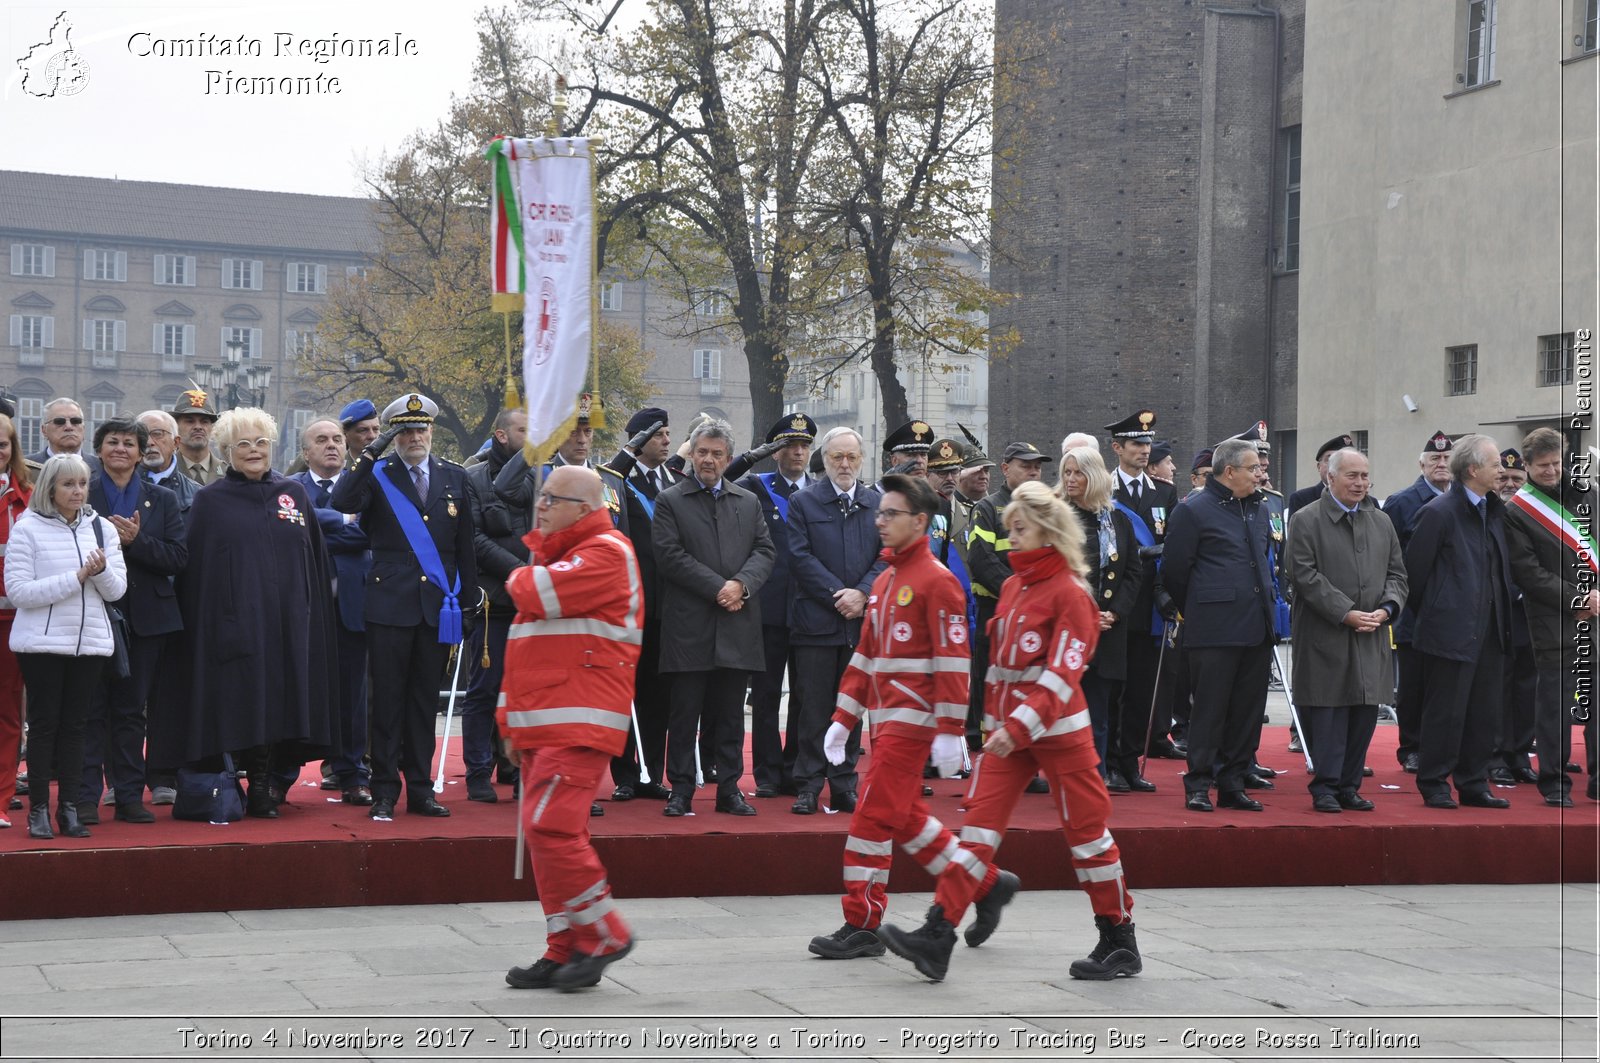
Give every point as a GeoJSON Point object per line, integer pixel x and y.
{"type": "Point", "coordinates": [237, 383]}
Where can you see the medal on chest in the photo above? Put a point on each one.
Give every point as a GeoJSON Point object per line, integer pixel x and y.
{"type": "Point", "coordinates": [287, 510]}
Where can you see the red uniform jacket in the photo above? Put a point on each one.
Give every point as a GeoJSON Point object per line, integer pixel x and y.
{"type": "Point", "coordinates": [1042, 636]}
{"type": "Point", "coordinates": [574, 644]}
{"type": "Point", "coordinates": [909, 674]}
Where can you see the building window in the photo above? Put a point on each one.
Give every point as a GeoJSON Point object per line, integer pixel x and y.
{"type": "Point", "coordinates": [608, 297]}
{"type": "Point", "coordinates": [32, 334]}
{"type": "Point", "coordinates": [1360, 435]}
{"type": "Point", "coordinates": [712, 304]}
{"type": "Point", "coordinates": [299, 343]}
{"type": "Point", "coordinates": [99, 413]}
{"type": "Point", "coordinates": [961, 385]}
{"type": "Point", "coordinates": [33, 260]}
{"type": "Point", "coordinates": [1480, 42]}
{"type": "Point", "coordinates": [30, 412]}
{"type": "Point", "coordinates": [355, 273]}
{"type": "Point", "coordinates": [1461, 370]}
{"type": "Point", "coordinates": [708, 370]}
{"type": "Point", "coordinates": [241, 273]}
{"type": "Point", "coordinates": [101, 265]}
{"type": "Point", "coordinates": [1590, 32]}
{"type": "Point", "coordinates": [307, 277]}
{"type": "Point", "coordinates": [1555, 360]}
{"type": "Point", "coordinates": [248, 340]}
{"type": "Point", "coordinates": [174, 269]}
{"type": "Point", "coordinates": [1291, 199]}
{"type": "Point", "coordinates": [105, 337]}
{"type": "Point", "coordinates": [174, 343]}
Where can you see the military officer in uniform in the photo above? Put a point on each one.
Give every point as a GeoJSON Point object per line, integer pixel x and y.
{"type": "Point", "coordinates": [422, 587]}
{"type": "Point", "coordinates": [772, 759]}
{"type": "Point", "coordinates": [1151, 502]}
{"type": "Point", "coordinates": [1274, 507]}
{"type": "Point", "coordinates": [195, 416]}
{"type": "Point", "coordinates": [516, 485]}
{"type": "Point", "coordinates": [910, 443]}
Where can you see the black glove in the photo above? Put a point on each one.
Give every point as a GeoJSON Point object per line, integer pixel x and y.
{"type": "Point", "coordinates": [375, 449]}
{"type": "Point", "coordinates": [1148, 552]}
{"type": "Point", "coordinates": [1164, 603]}
{"type": "Point", "coordinates": [640, 438]}
{"type": "Point", "coordinates": [766, 450]}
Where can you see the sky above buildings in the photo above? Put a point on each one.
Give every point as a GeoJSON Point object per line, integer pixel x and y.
{"type": "Point", "coordinates": [175, 91]}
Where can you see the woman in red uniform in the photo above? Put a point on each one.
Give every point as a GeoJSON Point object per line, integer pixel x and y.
{"type": "Point", "coordinates": [15, 486]}
{"type": "Point", "coordinates": [1042, 636]}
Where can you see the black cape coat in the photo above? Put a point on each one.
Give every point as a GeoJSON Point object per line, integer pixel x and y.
{"type": "Point", "coordinates": [255, 664]}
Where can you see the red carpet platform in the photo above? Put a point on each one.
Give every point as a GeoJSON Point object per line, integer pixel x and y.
{"type": "Point", "coordinates": [329, 854]}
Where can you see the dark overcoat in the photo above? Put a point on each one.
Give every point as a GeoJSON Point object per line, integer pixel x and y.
{"type": "Point", "coordinates": [702, 540]}
{"type": "Point", "coordinates": [1335, 562]}
{"type": "Point", "coordinates": [1117, 589]}
{"type": "Point", "coordinates": [1547, 572]}
{"type": "Point", "coordinates": [830, 550]}
{"type": "Point", "coordinates": [156, 555]}
{"type": "Point", "coordinates": [1452, 591]}
{"type": "Point", "coordinates": [258, 634]}
{"type": "Point", "coordinates": [1215, 565]}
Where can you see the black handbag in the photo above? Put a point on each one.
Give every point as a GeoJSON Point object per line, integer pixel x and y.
{"type": "Point", "coordinates": [118, 622]}
{"type": "Point", "coordinates": [210, 796]}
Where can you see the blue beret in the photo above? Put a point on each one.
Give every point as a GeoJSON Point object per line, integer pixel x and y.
{"type": "Point", "coordinates": [359, 410]}
{"type": "Point", "coordinates": [645, 418]}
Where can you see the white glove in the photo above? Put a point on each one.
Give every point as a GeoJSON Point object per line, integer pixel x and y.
{"type": "Point", "coordinates": [833, 742]}
{"type": "Point", "coordinates": [946, 755]}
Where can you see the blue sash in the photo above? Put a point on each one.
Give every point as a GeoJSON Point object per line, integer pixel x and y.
{"type": "Point", "coordinates": [779, 502]}
{"type": "Point", "coordinates": [1145, 537]}
{"type": "Point", "coordinates": [427, 552]}
{"type": "Point", "coordinates": [644, 500]}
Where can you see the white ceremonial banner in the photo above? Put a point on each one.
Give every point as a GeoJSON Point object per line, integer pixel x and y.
{"type": "Point", "coordinates": [556, 202]}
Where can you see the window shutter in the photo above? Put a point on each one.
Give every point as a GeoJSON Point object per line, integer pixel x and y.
{"type": "Point", "coordinates": [322, 280]}
{"type": "Point", "coordinates": [289, 270]}
{"type": "Point", "coordinates": [160, 269]}
{"type": "Point", "coordinates": [255, 343]}
{"type": "Point", "coordinates": [222, 342]}
{"type": "Point", "coordinates": [16, 330]}
{"type": "Point", "coordinates": [119, 335]}
{"type": "Point", "coordinates": [88, 334]}
{"type": "Point", "coordinates": [49, 261]}
{"type": "Point", "coordinates": [155, 338]}
{"type": "Point", "coordinates": [49, 332]}
{"type": "Point", "coordinates": [227, 273]}
{"type": "Point", "coordinates": [188, 340]}
{"type": "Point", "coordinates": [88, 264]}
{"type": "Point", "coordinates": [122, 266]}
{"type": "Point", "coordinates": [255, 274]}
{"type": "Point", "coordinates": [188, 270]}
{"type": "Point", "coordinates": [16, 259]}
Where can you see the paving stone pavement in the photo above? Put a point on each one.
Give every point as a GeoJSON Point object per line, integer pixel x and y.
{"type": "Point", "coordinates": [1362, 972]}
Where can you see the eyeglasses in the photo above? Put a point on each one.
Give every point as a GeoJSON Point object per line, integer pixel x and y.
{"type": "Point", "coordinates": [62, 422]}
{"type": "Point", "coordinates": [159, 433]}
{"type": "Point", "coordinates": [546, 499]}
{"type": "Point", "coordinates": [890, 514]}
{"type": "Point", "coordinates": [260, 444]}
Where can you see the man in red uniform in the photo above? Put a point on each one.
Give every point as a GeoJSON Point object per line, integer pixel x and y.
{"type": "Point", "coordinates": [909, 678]}
{"type": "Point", "coordinates": [565, 706]}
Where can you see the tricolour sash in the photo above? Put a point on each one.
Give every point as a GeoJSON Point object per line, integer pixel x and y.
{"type": "Point", "coordinates": [427, 552]}
{"type": "Point", "coordinates": [1555, 519]}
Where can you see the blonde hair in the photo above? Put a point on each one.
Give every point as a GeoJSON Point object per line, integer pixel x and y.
{"type": "Point", "coordinates": [247, 422]}
{"type": "Point", "coordinates": [1097, 492]}
{"type": "Point", "coordinates": [1036, 502]}
{"type": "Point", "coordinates": [18, 467]}
{"type": "Point", "coordinates": [60, 466]}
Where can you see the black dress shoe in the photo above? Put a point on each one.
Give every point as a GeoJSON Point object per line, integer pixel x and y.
{"type": "Point", "coordinates": [1252, 781]}
{"type": "Point", "coordinates": [654, 791]}
{"type": "Point", "coordinates": [1523, 773]}
{"type": "Point", "coordinates": [927, 791]}
{"type": "Point", "coordinates": [805, 804]}
{"type": "Point", "coordinates": [1409, 763]}
{"type": "Point", "coordinates": [1180, 746]}
{"type": "Point", "coordinates": [382, 808]}
{"type": "Point", "coordinates": [259, 803]}
{"type": "Point", "coordinates": [481, 789]}
{"type": "Point", "coordinates": [679, 805]}
{"type": "Point", "coordinates": [623, 793]}
{"type": "Point", "coordinates": [1165, 751]}
{"type": "Point", "coordinates": [89, 814]}
{"type": "Point", "coordinates": [1115, 783]}
{"type": "Point", "coordinates": [1483, 799]}
{"type": "Point", "coordinates": [135, 812]}
{"type": "Point", "coordinates": [596, 809]}
{"type": "Point", "coordinates": [1198, 802]}
{"type": "Point", "coordinates": [1502, 776]}
{"type": "Point", "coordinates": [358, 794]}
{"type": "Point", "coordinates": [767, 791]}
{"type": "Point", "coordinates": [1140, 785]}
{"type": "Point", "coordinates": [69, 823]}
{"type": "Point", "coordinates": [1366, 772]}
{"type": "Point", "coordinates": [1262, 770]}
{"type": "Point", "coordinates": [39, 823]}
{"type": "Point", "coordinates": [1326, 803]}
{"type": "Point", "coordinates": [1238, 800]}
{"type": "Point", "coordinates": [425, 806]}
{"type": "Point", "coordinates": [789, 789]}
{"type": "Point", "coordinates": [1037, 785]}
{"type": "Point", "coordinates": [1573, 769]}
{"type": "Point", "coordinates": [735, 805]}
{"type": "Point", "coordinates": [1355, 802]}
{"type": "Point", "coordinates": [1442, 799]}
{"type": "Point", "coordinates": [1558, 800]}
{"type": "Point", "coordinates": [844, 802]}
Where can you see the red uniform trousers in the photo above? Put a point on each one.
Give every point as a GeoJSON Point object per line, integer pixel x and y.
{"type": "Point", "coordinates": [890, 812]}
{"type": "Point", "coordinates": [10, 718]}
{"type": "Point", "coordinates": [1084, 806]}
{"type": "Point", "coordinates": [558, 786]}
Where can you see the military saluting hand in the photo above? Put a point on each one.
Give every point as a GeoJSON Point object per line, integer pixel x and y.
{"type": "Point", "coordinates": [376, 448]}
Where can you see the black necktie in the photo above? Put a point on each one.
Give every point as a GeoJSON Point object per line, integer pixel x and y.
{"type": "Point", "coordinates": [324, 494]}
{"type": "Point", "coordinates": [1133, 491]}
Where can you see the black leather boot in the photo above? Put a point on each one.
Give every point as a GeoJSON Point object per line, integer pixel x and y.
{"type": "Point", "coordinates": [928, 947]}
{"type": "Point", "coordinates": [1116, 956]}
{"type": "Point", "coordinates": [67, 819]}
{"type": "Point", "coordinates": [39, 822]}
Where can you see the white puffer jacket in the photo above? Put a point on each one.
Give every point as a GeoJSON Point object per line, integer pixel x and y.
{"type": "Point", "coordinates": [55, 613]}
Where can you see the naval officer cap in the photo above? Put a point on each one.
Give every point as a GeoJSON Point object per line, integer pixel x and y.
{"type": "Point", "coordinates": [1138, 427]}
{"type": "Point", "coordinates": [356, 412]}
{"type": "Point", "coordinates": [411, 411]}
{"type": "Point", "coordinates": [913, 437]}
{"type": "Point", "coordinates": [792, 428]}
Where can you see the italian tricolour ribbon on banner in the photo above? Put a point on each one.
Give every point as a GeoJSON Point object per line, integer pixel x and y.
{"type": "Point", "coordinates": [543, 206]}
{"type": "Point", "coordinates": [1554, 518]}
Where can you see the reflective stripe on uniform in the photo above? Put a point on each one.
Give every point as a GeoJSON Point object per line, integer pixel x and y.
{"type": "Point", "coordinates": [547, 592]}
{"type": "Point", "coordinates": [850, 705]}
{"type": "Point", "coordinates": [969, 863]}
{"type": "Point", "coordinates": [1094, 848]}
{"type": "Point", "coordinates": [575, 714]}
{"type": "Point", "coordinates": [866, 874]}
{"type": "Point", "coordinates": [997, 674]}
{"type": "Point", "coordinates": [1109, 873]}
{"type": "Point", "coordinates": [1067, 724]}
{"type": "Point", "coordinates": [1029, 719]}
{"type": "Point", "coordinates": [923, 665]}
{"type": "Point", "coordinates": [942, 861]}
{"type": "Point", "coordinates": [930, 830]}
{"type": "Point", "coordinates": [914, 717]}
{"type": "Point", "coordinates": [1056, 685]}
{"type": "Point", "coordinates": [852, 844]}
{"type": "Point", "coordinates": [531, 628]}
{"type": "Point", "coordinates": [981, 836]}
{"type": "Point", "coordinates": [594, 913]}
{"type": "Point", "coordinates": [587, 895]}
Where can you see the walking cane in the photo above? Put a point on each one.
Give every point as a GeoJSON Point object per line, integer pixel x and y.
{"type": "Point", "coordinates": [638, 744]}
{"type": "Point", "coordinates": [1155, 696]}
{"type": "Point", "coordinates": [450, 712]}
{"type": "Point", "coordinates": [1305, 743]}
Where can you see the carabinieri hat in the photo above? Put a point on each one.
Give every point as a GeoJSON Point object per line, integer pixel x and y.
{"type": "Point", "coordinates": [946, 455]}
{"type": "Point", "coordinates": [1202, 460]}
{"type": "Point", "coordinates": [792, 428]}
{"type": "Point", "coordinates": [1160, 451]}
{"type": "Point", "coordinates": [913, 437]}
{"type": "Point", "coordinates": [1343, 442]}
{"type": "Point", "coordinates": [1511, 459]}
{"type": "Point", "coordinates": [411, 409]}
{"type": "Point", "coordinates": [357, 411]}
{"type": "Point", "coordinates": [1137, 427]}
{"type": "Point", "coordinates": [1257, 434]}
{"type": "Point", "coordinates": [1438, 443]}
